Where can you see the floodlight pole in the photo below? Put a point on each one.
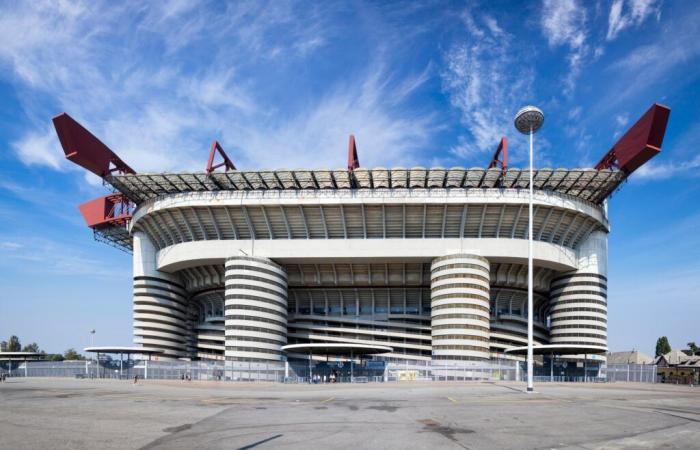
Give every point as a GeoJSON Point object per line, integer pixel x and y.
{"type": "Point", "coordinates": [527, 121]}
{"type": "Point", "coordinates": [530, 386]}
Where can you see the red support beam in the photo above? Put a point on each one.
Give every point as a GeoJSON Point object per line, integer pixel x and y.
{"type": "Point", "coordinates": [640, 143]}
{"type": "Point", "coordinates": [501, 150]}
{"type": "Point", "coordinates": [84, 149]}
{"type": "Point", "coordinates": [353, 160]}
{"type": "Point", "coordinates": [227, 163]}
{"type": "Point", "coordinates": [108, 211]}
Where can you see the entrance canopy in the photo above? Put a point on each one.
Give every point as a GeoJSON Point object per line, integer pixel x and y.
{"type": "Point", "coordinates": [20, 356]}
{"type": "Point", "coordinates": [124, 350]}
{"type": "Point", "coordinates": [559, 349]}
{"type": "Point", "coordinates": [335, 348]}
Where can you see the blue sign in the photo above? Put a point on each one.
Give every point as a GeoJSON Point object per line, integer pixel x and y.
{"type": "Point", "coordinates": [375, 365]}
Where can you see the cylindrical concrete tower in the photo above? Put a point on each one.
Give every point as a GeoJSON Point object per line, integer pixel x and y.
{"type": "Point", "coordinates": [256, 309]}
{"type": "Point", "coordinates": [160, 304]}
{"type": "Point", "coordinates": [578, 300]}
{"type": "Point", "coordinates": [459, 301]}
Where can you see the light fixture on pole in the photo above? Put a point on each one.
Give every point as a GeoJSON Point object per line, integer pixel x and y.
{"type": "Point", "coordinates": [92, 336]}
{"type": "Point", "coordinates": [528, 120]}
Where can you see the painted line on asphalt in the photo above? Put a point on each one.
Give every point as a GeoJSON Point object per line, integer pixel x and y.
{"type": "Point", "coordinates": [452, 400]}
{"type": "Point", "coordinates": [328, 400]}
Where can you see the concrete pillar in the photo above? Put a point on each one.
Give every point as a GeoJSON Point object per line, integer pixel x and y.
{"type": "Point", "coordinates": [578, 299]}
{"type": "Point", "coordinates": [460, 300]}
{"type": "Point", "coordinates": [255, 309]}
{"type": "Point", "coordinates": [160, 304]}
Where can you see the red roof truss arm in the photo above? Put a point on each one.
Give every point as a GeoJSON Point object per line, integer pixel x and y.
{"type": "Point", "coordinates": [227, 163]}
{"type": "Point", "coordinates": [501, 150]}
{"type": "Point", "coordinates": [353, 160]}
{"type": "Point", "coordinates": [84, 149]}
{"type": "Point", "coordinates": [108, 211]}
{"type": "Point", "coordinates": [640, 143]}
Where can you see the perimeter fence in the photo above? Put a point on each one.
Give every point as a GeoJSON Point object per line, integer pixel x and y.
{"type": "Point", "coordinates": [300, 371]}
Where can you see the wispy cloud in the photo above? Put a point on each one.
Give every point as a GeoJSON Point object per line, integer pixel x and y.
{"type": "Point", "coordinates": [564, 24]}
{"type": "Point", "coordinates": [661, 171]}
{"type": "Point", "coordinates": [630, 13]}
{"type": "Point", "coordinates": [483, 92]}
{"type": "Point", "coordinates": [163, 110]}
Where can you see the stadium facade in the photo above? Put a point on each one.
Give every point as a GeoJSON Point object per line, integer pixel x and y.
{"type": "Point", "coordinates": [235, 265]}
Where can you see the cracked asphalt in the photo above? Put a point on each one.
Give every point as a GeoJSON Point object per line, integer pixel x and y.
{"type": "Point", "coordinates": [38, 413]}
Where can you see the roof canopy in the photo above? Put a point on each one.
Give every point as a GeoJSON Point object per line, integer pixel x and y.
{"type": "Point", "coordinates": [586, 184]}
{"type": "Point", "coordinates": [559, 349]}
{"type": "Point", "coordinates": [324, 348]}
{"type": "Point", "coordinates": [124, 350]}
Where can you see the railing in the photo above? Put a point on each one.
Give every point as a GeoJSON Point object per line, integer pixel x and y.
{"type": "Point", "coordinates": [298, 371]}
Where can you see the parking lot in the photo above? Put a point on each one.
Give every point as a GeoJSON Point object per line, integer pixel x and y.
{"type": "Point", "coordinates": [110, 414]}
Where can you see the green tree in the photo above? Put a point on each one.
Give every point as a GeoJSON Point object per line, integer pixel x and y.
{"type": "Point", "coordinates": [56, 357]}
{"type": "Point", "coordinates": [13, 344]}
{"type": "Point", "coordinates": [692, 348]}
{"type": "Point", "coordinates": [662, 346]}
{"type": "Point", "coordinates": [32, 348]}
{"type": "Point", "coordinates": [3, 346]}
{"type": "Point", "coordinates": [72, 355]}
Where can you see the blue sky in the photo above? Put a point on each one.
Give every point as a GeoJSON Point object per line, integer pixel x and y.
{"type": "Point", "coordinates": [282, 84]}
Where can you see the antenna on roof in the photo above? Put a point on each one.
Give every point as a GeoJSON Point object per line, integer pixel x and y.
{"type": "Point", "coordinates": [227, 163]}
{"type": "Point", "coordinates": [353, 160]}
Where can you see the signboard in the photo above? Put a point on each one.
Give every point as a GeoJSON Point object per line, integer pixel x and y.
{"type": "Point", "coordinates": [375, 365]}
{"type": "Point", "coordinates": [407, 375]}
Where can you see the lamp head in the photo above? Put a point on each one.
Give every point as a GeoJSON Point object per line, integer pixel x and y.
{"type": "Point", "coordinates": [529, 119]}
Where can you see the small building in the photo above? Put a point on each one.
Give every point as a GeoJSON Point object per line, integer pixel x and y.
{"type": "Point", "coordinates": [631, 357]}
{"type": "Point", "coordinates": [678, 368]}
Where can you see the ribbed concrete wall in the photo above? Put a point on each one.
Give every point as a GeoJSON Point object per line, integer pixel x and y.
{"type": "Point", "coordinates": [256, 309]}
{"type": "Point", "coordinates": [161, 312]}
{"type": "Point", "coordinates": [578, 300]}
{"type": "Point", "coordinates": [460, 307]}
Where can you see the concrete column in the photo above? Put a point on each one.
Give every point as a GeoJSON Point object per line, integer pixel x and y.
{"type": "Point", "coordinates": [255, 309]}
{"type": "Point", "coordinates": [160, 304]}
{"type": "Point", "coordinates": [578, 299]}
{"type": "Point", "coordinates": [460, 303]}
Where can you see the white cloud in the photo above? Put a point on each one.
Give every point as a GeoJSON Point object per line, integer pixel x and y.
{"type": "Point", "coordinates": [564, 23]}
{"type": "Point", "coordinates": [486, 95]}
{"type": "Point", "coordinates": [630, 13]}
{"type": "Point", "coordinates": [40, 148]}
{"type": "Point", "coordinates": [661, 171]}
{"type": "Point", "coordinates": [123, 72]}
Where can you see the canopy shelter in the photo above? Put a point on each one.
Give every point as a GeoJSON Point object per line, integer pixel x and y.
{"type": "Point", "coordinates": [121, 351]}
{"type": "Point", "coordinates": [19, 356]}
{"type": "Point", "coordinates": [559, 350]}
{"type": "Point", "coordinates": [348, 350]}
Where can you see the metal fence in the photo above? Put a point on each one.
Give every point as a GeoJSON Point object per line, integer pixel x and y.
{"type": "Point", "coordinates": [298, 371]}
{"type": "Point", "coordinates": [640, 373]}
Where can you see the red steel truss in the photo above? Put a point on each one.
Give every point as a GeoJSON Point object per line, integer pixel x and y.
{"type": "Point", "coordinates": [353, 160]}
{"type": "Point", "coordinates": [640, 143]}
{"type": "Point", "coordinates": [502, 149]}
{"type": "Point", "coordinates": [227, 163]}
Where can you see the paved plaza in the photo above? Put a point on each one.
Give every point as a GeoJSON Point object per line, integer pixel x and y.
{"type": "Point", "coordinates": [109, 414]}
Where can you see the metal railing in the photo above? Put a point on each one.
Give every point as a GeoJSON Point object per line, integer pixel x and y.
{"type": "Point", "coordinates": [298, 372]}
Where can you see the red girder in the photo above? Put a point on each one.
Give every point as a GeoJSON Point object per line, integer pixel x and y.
{"type": "Point", "coordinates": [640, 143]}
{"type": "Point", "coordinates": [353, 160]}
{"type": "Point", "coordinates": [84, 149]}
{"type": "Point", "coordinates": [113, 210]}
{"type": "Point", "coordinates": [502, 149]}
{"type": "Point", "coordinates": [227, 163]}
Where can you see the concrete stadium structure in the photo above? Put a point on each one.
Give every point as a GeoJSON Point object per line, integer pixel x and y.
{"type": "Point", "coordinates": [432, 263]}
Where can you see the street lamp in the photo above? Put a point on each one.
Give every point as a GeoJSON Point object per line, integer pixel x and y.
{"type": "Point", "coordinates": [528, 120]}
{"type": "Point", "coordinates": [92, 338]}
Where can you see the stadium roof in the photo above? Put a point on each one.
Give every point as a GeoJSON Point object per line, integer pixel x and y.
{"type": "Point", "coordinates": [586, 184]}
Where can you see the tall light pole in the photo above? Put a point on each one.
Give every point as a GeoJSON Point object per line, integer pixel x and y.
{"type": "Point", "coordinates": [528, 120]}
{"type": "Point", "coordinates": [92, 338]}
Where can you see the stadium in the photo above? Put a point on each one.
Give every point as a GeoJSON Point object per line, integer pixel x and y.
{"type": "Point", "coordinates": [406, 264]}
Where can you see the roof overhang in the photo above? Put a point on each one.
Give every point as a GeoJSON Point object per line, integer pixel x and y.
{"type": "Point", "coordinates": [559, 349]}
{"type": "Point", "coordinates": [124, 350]}
{"type": "Point", "coordinates": [323, 348]}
